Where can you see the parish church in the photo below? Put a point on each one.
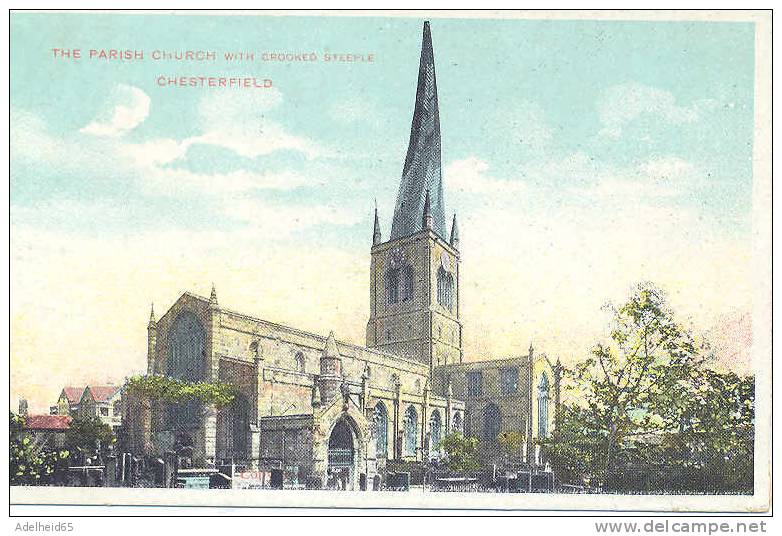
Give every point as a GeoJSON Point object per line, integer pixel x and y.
{"type": "Point", "coordinates": [331, 413]}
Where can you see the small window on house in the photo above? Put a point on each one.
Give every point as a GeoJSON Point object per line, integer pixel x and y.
{"type": "Point", "coordinates": [300, 362]}
{"type": "Point", "coordinates": [117, 407]}
{"type": "Point", "coordinates": [474, 383]}
{"type": "Point", "coordinates": [104, 412]}
{"type": "Point", "coordinates": [509, 380]}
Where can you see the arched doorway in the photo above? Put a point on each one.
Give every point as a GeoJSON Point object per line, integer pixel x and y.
{"type": "Point", "coordinates": [492, 422]}
{"type": "Point", "coordinates": [341, 457]}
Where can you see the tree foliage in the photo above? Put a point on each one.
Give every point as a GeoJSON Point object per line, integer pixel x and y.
{"type": "Point", "coordinates": [461, 453]}
{"type": "Point", "coordinates": [88, 436]}
{"type": "Point", "coordinates": [29, 464]}
{"type": "Point", "coordinates": [651, 415]}
{"type": "Point", "coordinates": [166, 389]}
{"type": "Point", "coordinates": [511, 443]}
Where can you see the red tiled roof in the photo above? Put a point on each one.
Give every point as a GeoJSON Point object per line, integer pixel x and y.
{"type": "Point", "coordinates": [47, 422]}
{"type": "Point", "coordinates": [73, 394]}
{"type": "Point", "coordinates": [101, 393]}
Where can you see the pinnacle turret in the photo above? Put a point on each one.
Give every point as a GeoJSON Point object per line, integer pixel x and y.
{"type": "Point", "coordinates": [454, 233]}
{"type": "Point", "coordinates": [152, 321]}
{"type": "Point", "coordinates": [427, 219]}
{"type": "Point", "coordinates": [213, 296]}
{"type": "Point", "coordinates": [376, 237]}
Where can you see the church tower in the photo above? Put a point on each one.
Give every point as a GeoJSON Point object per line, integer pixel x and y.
{"type": "Point", "coordinates": [414, 275]}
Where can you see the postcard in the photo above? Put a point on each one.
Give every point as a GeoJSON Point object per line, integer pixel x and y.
{"type": "Point", "coordinates": [477, 260]}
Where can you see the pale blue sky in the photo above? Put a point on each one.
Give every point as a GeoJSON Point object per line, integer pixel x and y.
{"type": "Point", "coordinates": [500, 82]}
{"type": "Point", "coordinates": [581, 157]}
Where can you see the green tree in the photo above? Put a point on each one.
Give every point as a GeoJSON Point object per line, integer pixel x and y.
{"type": "Point", "coordinates": [635, 384]}
{"type": "Point", "coordinates": [88, 436]}
{"type": "Point", "coordinates": [511, 444]}
{"type": "Point", "coordinates": [717, 432]}
{"type": "Point", "coordinates": [461, 453]}
{"type": "Point", "coordinates": [165, 389]}
{"type": "Point", "coordinates": [29, 464]}
{"type": "Point", "coordinates": [576, 447]}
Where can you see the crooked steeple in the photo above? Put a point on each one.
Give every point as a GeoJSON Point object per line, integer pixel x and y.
{"type": "Point", "coordinates": [422, 171]}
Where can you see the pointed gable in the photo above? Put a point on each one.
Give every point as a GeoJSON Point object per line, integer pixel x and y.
{"type": "Point", "coordinates": [72, 394]}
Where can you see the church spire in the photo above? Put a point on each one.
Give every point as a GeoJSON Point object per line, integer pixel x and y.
{"type": "Point", "coordinates": [376, 237]}
{"type": "Point", "coordinates": [422, 170]}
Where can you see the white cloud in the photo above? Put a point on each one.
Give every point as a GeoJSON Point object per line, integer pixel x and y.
{"type": "Point", "coordinates": [127, 108]}
{"type": "Point", "coordinates": [154, 152]}
{"type": "Point", "coordinates": [282, 220]}
{"type": "Point", "coordinates": [667, 169]}
{"type": "Point", "coordinates": [239, 124]}
{"type": "Point", "coordinates": [469, 175]}
{"type": "Point", "coordinates": [177, 181]}
{"type": "Point", "coordinates": [624, 103]}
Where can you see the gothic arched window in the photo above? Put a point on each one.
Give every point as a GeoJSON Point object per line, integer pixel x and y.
{"type": "Point", "coordinates": [380, 422]}
{"type": "Point", "coordinates": [411, 430]}
{"type": "Point", "coordinates": [187, 362]}
{"type": "Point", "coordinates": [457, 422]}
{"type": "Point", "coordinates": [435, 433]}
{"type": "Point", "coordinates": [407, 283]}
{"type": "Point", "coordinates": [492, 421]}
{"type": "Point", "coordinates": [392, 285]}
{"type": "Point", "coordinates": [543, 406]}
{"type": "Point", "coordinates": [300, 362]}
{"type": "Point", "coordinates": [444, 288]}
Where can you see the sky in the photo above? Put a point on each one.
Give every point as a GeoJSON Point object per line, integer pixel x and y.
{"type": "Point", "coordinates": [581, 157]}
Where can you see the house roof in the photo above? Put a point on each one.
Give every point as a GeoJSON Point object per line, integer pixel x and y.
{"type": "Point", "coordinates": [47, 422]}
{"type": "Point", "coordinates": [73, 394]}
{"type": "Point", "coordinates": [101, 393]}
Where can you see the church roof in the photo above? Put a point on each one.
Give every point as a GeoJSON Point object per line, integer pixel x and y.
{"type": "Point", "coordinates": [423, 166]}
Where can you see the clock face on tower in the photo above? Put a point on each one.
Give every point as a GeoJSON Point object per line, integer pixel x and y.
{"type": "Point", "coordinates": [445, 261]}
{"type": "Point", "coordinates": [397, 257]}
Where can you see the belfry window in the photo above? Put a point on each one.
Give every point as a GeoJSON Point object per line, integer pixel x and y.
{"type": "Point", "coordinates": [407, 283]}
{"type": "Point", "coordinates": [543, 407]}
{"type": "Point", "coordinates": [444, 288]}
{"type": "Point", "coordinates": [392, 285]}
